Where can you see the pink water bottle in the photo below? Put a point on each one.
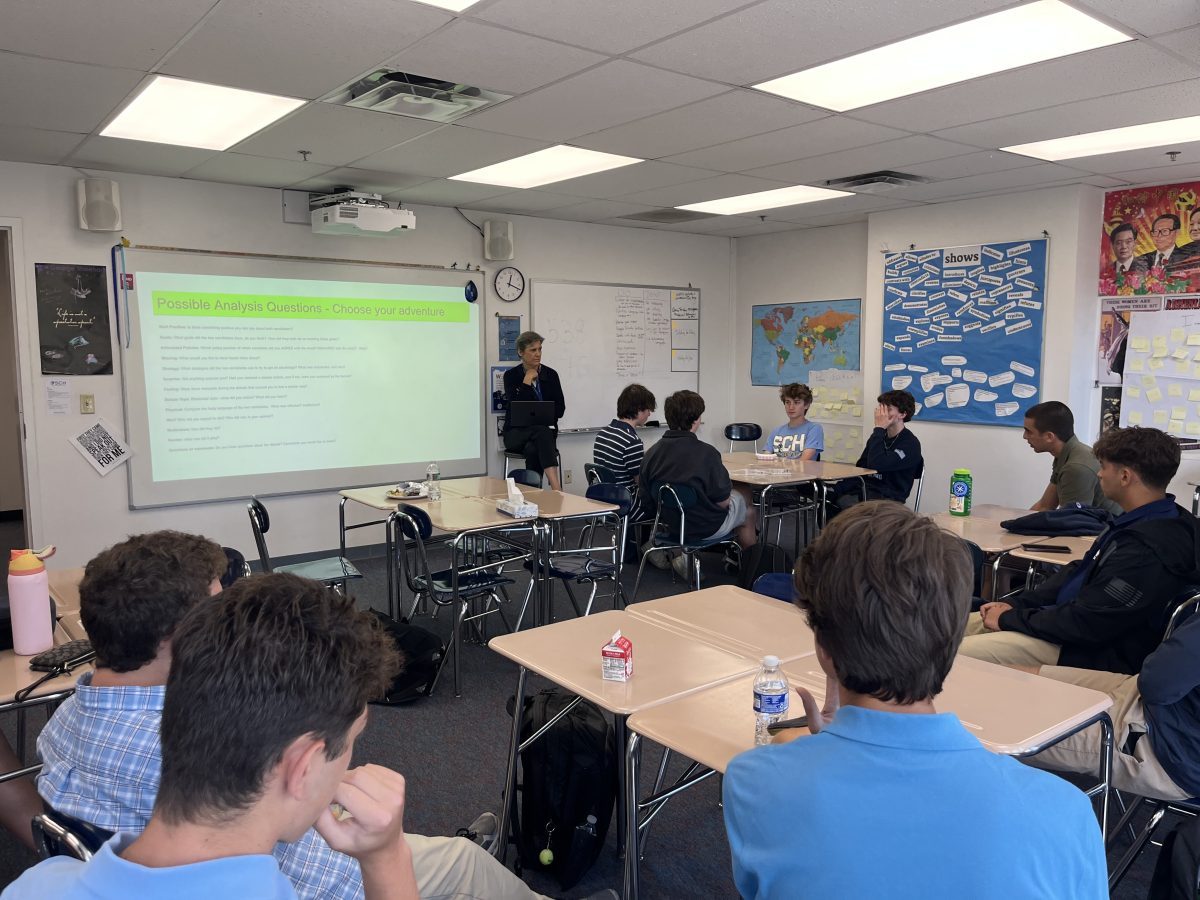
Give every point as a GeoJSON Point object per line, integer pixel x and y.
{"type": "Point", "coordinates": [29, 604]}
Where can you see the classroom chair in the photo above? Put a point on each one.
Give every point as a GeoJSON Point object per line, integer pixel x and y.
{"type": "Point", "coordinates": [584, 564]}
{"type": "Point", "coordinates": [743, 431]}
{"type": "Point", "coordinates": [58, 834]}
{"type": "Point", "coordinates": [918, 483]}
{"type": "Point", "coordinates": [1182, 609]}
{"type": "Point", "coordinates": [526, 477]}
{"type": "Point", "coordinates": [675, 500]}
{"type": "Point", "coordinates": [333, 571]}
{"type": "Point", "coordinates": [473, 581]}
{"type": "Point", "coordinates": [510, 455]}
{"type": "Point", "coordinates": [598, 474]}
{"type": "Point", "coordinates": [780, 585]}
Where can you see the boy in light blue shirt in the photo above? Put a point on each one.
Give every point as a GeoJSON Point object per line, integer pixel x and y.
{"type": "Point", "coordinates": [799, 438]}
{"type": "Point", "coordinates": [887, 797]}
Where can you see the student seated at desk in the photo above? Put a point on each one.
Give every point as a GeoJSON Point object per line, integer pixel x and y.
{"type": "Point", "coordinates": [892, 451]}
{"type": "Point", "coordinates": [888, 797]}
{"type": "Point", "coordinates": [799, 438]}
{"type": "Point", "coordinates": [1050, 428]}
{"type": "Point", "coordinates": [246, 765]}
{"type": "Point", "coordinates": [617, 447]}
{"type": "Point", "coordinates": [101, 752]}
{"type": "Point", "coordinates": [1109, 610]}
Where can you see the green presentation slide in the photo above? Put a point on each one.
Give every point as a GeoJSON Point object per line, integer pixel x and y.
{"type": "Point", "coordinates": [249, 376]}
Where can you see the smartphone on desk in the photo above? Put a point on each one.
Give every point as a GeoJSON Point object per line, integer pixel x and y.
{"type": "Point", "coordinates": [785, 724]}
{"type": "Point", "coordinates": [1047, 548]}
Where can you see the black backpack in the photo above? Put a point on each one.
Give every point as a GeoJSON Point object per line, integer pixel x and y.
{"type": "Point", "coordinates": [762, 559]}
{"type": "Point", "coordinates": [422, 651]}
{"type": "Point", "coordinates": [568, 786]}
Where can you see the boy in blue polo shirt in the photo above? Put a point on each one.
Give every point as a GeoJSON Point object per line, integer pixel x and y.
{"type": "Point", "coordinates": [888, 797]}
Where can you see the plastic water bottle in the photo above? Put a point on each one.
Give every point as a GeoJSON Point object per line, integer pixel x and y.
{"type": "Point", "coordinates": [432, 474]}
{"type": "Point", "coordinates": [29, 604]}
{"type": "Point", "coordinates": [960, 492]}
{"type": "Point", "coordinates": [771, 695]}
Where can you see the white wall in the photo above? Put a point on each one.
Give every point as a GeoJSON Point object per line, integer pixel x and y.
{"type": "Point", "coordinates": [832, 263]}
{"type": "Point", "coordinates": [83, 513]}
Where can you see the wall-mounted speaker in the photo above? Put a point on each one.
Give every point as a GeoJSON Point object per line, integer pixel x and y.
{"type": "Point", "coordinates": [497, 239]}
{"type": "Point", "coordinates": [99, 204]}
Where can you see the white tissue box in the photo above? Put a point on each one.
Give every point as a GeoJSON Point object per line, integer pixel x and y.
{"type": "Point", "coordinates": [518, 509]}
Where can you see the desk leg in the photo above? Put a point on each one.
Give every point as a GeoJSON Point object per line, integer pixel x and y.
{"type": "Point", "coordinates": [1106, 756]}
{"type": "Point", "coordinates": [456, 616]}
{"type": "Point", "coordinates": [342, 527]}
{"type": "Point", "coordinates": [510, 773]}
{"type": "Point", "coordinates": [762, 513]}
{"type": "Point", "coordinates": [1196, 501]}
{"type": "Point", "coordinates": [624, 810]}
{"type": "Point", "coordinates": [629, 800]}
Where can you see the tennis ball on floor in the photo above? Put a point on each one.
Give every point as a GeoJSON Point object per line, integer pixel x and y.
{"type": "Point", "coordinates": [546, 857]}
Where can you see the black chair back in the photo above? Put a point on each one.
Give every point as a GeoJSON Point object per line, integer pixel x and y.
{"type": "Point", "coordinates": [615, 494]}
{"type": "Point", "coordinates": [58, 834]}
{"type": "Point", "coordinates": [743, 431]}
{"type": "Point", "coordinates": [527, 477]}
{"type": "Point", "coordinates": [598, 474]}
{"type": "Point", "coordinates": [260, 523]}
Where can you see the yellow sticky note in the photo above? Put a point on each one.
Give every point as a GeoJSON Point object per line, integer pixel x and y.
{"type": "Point", "coordinates": [1154, 395]}
{"type": "Point", "coordinates": [1156, 364]}
{"type": "Point", "coordinates": [1194, 395]}
{"type": "Point", "coordinates": [1196, 370]}
{"type": "Point", "coordinates": [1160, 340]}
{"type": "Point", "coordinates": [1136, 365]}
{"type": "Point", "coordinates": [1196, 358]}
{"type": "Point", "coordinates": [1160, 417]}
{"type": "Point", "coordinates": [1178, 412]}
{"type": "Point", "coordinates": [1192, 428]}
{"type": "Point", "coordinates": [1135, 418]}
{"type": "Point", "coordinates": [1174, 390]}
{"type": "Point", "coordinates": [1181, 366]}
{"type": "Point", "coordinates": [1160, 352]}
{"type": "Point", "coordinates": [1175, 426]}
{"type": "Point", "coordinates": [1194, 340]}
{"type": "Point", "coordinates": [1177, 335]}
{"type": "Point", "coordinates": [1133, 392]}
{"type": "Point", "coordinates": [856, 410]}
{"type": "Point", "coordinates": [1149, 381]}
{"type": "Point", "coordinates": [1181, 354]}
{"type": "Point", "coordinates": [1140, 343]}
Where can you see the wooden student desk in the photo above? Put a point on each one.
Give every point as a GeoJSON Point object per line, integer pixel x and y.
{"type": "Point", "coordinates": [982, 528]}
{"type": "Point", "coordinates": [746, 468]}
{"type": "Point", "coordinates": [1011, 712]}
{"type": "Point", "coordinates": [1079, 546]}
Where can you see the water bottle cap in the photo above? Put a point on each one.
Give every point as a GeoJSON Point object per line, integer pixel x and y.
{"type": "Point", "coordinates": [962, 471]}
{"type": "Point", "coordinates": [771, 662]}
{"type": "Point", "coordinates": [23, 562]}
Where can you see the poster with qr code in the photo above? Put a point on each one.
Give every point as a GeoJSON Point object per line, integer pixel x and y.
{"type": "Point", "coordinates": [101, 447]}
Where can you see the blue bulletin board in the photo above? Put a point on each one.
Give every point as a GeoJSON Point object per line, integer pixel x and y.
{"type": "Point", "coordinates": [962, 330]}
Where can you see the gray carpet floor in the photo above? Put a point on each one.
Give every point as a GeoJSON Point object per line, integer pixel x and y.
{"type": "Point", "coordinates": [451, 752]}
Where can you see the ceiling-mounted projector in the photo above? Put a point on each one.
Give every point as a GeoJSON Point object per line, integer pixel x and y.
{"type": "Point", "coordinates": [351, 212]}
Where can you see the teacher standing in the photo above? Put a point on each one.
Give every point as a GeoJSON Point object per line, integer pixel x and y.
{"type": "Point", "coordinates": [532, 381]}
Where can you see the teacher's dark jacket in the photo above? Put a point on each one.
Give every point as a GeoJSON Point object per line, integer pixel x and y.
{"type": "Point", "coordinates": [515, 388]}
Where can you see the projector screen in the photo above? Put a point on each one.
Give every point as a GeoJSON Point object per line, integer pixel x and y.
{"type": "Point", "coordinates": [255, 375]}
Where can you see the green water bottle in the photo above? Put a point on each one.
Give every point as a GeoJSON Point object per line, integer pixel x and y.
{"type": "Point", "coordinates": [960, 492]}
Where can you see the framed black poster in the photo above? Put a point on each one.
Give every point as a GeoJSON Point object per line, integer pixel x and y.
{"type": "Point", "coordinates": [73, 330]}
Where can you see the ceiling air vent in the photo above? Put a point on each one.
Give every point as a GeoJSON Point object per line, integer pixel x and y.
{"type": "Point", "coordinates": [669, 216]}
{"type": "Point", "coordinates": [417, 96]}
{"type": "Point", "coordinates": [876, 182]}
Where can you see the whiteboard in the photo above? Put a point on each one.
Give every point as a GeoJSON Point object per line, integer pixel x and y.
{"type": "Point", "coordinates": [1161, 387]}
{"type": "Point", "coordinates": [602, 337]}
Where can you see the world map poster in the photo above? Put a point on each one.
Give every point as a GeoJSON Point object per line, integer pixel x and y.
{"type": "Point", "coordinates": [790, 339]}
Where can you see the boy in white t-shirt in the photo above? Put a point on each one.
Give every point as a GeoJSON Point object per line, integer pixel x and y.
{"type": "Point", "coordinates": [799, 438]}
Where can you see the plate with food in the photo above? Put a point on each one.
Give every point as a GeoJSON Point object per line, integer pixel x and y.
{"type": "Point", "coordinates": [409, 490]}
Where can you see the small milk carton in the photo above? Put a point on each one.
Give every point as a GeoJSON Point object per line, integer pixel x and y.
{"type": "Point", "coordinates": [616, 658]}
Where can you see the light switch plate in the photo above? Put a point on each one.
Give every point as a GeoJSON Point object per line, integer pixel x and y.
{"type": "Point", "coordinates": [87, 404]}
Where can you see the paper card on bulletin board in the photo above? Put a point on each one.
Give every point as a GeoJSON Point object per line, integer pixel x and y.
{"type": "Point", "coordinates": [509, 328]}
{"type": "Point", "coordinates": [962, 330]}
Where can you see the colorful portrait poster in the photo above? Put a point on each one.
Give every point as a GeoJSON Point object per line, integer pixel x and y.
{"type": "Point", "coordinates": [1151, 241]}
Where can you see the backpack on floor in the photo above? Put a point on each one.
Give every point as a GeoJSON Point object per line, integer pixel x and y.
{"type": "Point", "coordinates": [763, 559]}
{"type": "Point", "coordinates": [568, 786]}
{"type": "Point", "coordinates": [1177, 871]}
{"type": "Point", "coordinates": [422, 651]}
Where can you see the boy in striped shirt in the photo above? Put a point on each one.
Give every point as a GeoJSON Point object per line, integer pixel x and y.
{"type": "Point", "coordinates": [618, 448]}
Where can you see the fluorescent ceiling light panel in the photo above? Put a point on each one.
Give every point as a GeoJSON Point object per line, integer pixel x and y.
{"type": "Point", "coordinates": [1114, 140]}
{"type": "Point", "coordinates": [788, 196]}
{"type": "Point", "coordinates": [998, 42]}
{"type": "Point", "coordinates": [546, 166]}
{"type": "Point", "coordinates": [191, 114]}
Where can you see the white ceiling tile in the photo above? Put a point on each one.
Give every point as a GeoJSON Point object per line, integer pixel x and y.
{"type": "Point", "coordinates": [783, 36]}
{"type": "Point", "coordinates": [835, 206]}
{"type": "Point", "coordinates": [613, 26]}
{"type": "Point", "coordinates": [895, 155]}
{"type": "Point", "coordinates": [979, 163]}
{"type": "Point", "coordinates": [1186, 43]}
{"type": "Point", "coordinates": [642, 176]}
{"type": "Point", "coordinates": [612, 94]}
{"type": "Point", "coordinates": [36, 145]}
{"type": "Point", "coordinates": [1132, 160]}
{"type": "Point", "coordinates": [299, 48]}
{"type": "Point", "coordinates": [1162, 174]}
{"type": "Point", "coordinates": [121, 155]}
{"type": "Point", "coordinates": [821, 219]}
{"type": "Point", "coordinates": [596, 210]}
{"type": "Point", "coordinates": [526, 202]}
{"type": "Point", "coordinates": [1130, 108]}
{"type": "Point", "coordinates": [699, 191]}
{"type": "Point", "coordinates": [60, 96]}
{"type": "Point", "coordinates": [1148, 18]}
{"type": "Point", "coordinates": [334, 134]}
{"type": "Point", "coordinates": [494, 58]}
{"type": "Point", "coordinates": [716, 226]}
{"type": "Point", "coordinates": [767, 227]}
{"type": "Point", "coordinates": [827, 135]}
{"type": "Point", "coordinates": [361, 180]}
{"type": "Point", "coordinates": [1097, 73]}
{"type": "Point", "coordinates": [235, 168]}
{"type": "Point", "coordinates": [451, 150]}
{"type": "Point", "coordinates": [448, 193]}
{"type": "Point", "coordinates": [1011, 179]}
{"type": "Point", "coordinates": [727, 117]}
{"type": "Point", "coordinates": [131, 34]}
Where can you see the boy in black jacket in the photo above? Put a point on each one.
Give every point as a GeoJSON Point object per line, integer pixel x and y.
{"type": "Point", "coordinates": [1109, 610]}
{"type": "Point", "coordinates": [892, 451]}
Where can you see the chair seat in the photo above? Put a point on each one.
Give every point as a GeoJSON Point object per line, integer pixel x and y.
{"type": "Point", "coordinates": [469, 585]}
{"type": "Point", "coordinates": [582, 569]}
{"type": "Point", "coordinates": [664, 540]}
{"type": "Point", "coordinates": [776, 584]}
{"type": "Point", "coordinates": [332, 568]}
